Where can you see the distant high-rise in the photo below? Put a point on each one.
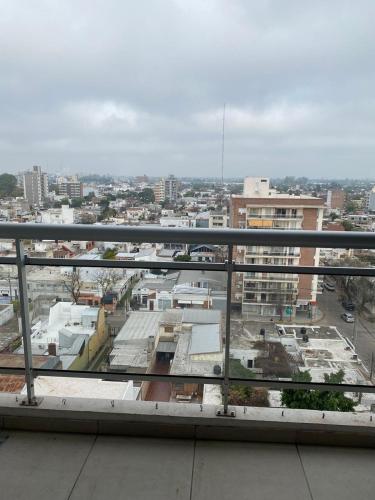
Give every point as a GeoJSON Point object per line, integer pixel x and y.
{"type": "Point", "coordinates": [371, 201]}
{"type": "Point", "coordinates": [35, 186]}
{"type": "Point", "coordinates": [171, 188]}
{"type": "Point", "coordinates": [336, 199]}
{"type": "Point", "coordinates": [166, 189]}
{"type": "Point", "coordinates": [274, 294]}
{"type": "Point", "coordinates": [70, 187]}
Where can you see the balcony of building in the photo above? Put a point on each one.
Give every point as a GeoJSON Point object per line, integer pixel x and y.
{"type": "Point", "coordinates": [69, 446]}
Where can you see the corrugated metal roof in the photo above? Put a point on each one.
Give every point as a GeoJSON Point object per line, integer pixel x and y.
{"type": "Point", "coordinates": [139, 325]}
{"type": "Point", "coordinates": [204, 316]}
{"type": "Point", "coordinates": [205, 339]}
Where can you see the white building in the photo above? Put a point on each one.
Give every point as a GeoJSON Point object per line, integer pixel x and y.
{"type": "Point", "coordinates": [63, 215]}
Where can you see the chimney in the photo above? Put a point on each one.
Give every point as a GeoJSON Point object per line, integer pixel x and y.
{"type": "Point", "coordinates": [52, 351]}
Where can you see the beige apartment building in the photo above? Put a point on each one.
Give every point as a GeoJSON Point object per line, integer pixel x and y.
{"type": "Point", "coordinates": [274, 294]}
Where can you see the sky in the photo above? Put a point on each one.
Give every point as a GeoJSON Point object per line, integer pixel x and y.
{"type": "Point", "coordinates": [129, 87]}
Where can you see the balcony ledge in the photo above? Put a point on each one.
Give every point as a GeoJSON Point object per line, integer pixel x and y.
{"type": "Point", "coordinates": [184, 420]}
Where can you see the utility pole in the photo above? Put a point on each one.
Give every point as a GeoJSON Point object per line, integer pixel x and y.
{"type": "Point", "coordinates": [372, 366]}
{"type": "Point", "coordinates": [355, 332]}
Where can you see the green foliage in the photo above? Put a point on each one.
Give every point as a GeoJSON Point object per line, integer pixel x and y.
{"type": "Point", "coordinates": [110, 254]}
{"type": "Point", "coordinates": [189, 194]}
{"type": "Point", "coordinates": [147, 195]}
{"type": "Point", "coordinates": [242, 395]}
{"type": "Point", "coordinates": [77, 202]}
{"type": "Point", "coordinates": [348, 226]}
{"type": "Point", "coordinates": [239, 371]}
{"type": "Point", "coordinates": [317, 399]}
{"type": "Point", "coordinates": [351, 207]}
{"type": "Point", "coordinates": [8, 185]}
{"type": "Point", "coordinates": [16, 306]}
{"type": "Point", "coordinates": [182, 258]}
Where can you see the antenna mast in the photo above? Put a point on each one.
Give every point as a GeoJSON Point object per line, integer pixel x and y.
{"type": "Point", "coordinates": [222, 149]}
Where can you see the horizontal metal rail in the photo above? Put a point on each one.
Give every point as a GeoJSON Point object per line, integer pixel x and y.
{"type": "Point", "coordinates": [117, 376]}
{"type": "Point", "coordinates": [85, 232]}
{"type": "Point", "coordinates": [196, 266]}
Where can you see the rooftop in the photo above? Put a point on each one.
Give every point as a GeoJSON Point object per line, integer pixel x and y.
{"type": "Point", "coordinates": [139, 325]}
{"type": "Point", "coordinates": [65, 387]}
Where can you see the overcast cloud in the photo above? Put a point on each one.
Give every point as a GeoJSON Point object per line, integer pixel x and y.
{"type": "Point", "coordinates": [130, 87]}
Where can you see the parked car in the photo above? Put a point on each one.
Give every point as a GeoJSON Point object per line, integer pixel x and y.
{"type": "Point", "coordinates": [347, 317]}
{"type": "Point", "coordinates": [329, 286]}
{"type": "Point", "coordinates": [348, 306]}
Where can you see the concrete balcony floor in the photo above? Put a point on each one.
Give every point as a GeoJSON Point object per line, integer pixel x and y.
{"type": "Point", "coordinates": [58, 466]}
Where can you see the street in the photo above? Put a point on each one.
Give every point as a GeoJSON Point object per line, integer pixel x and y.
{"type": "Point", "coordinates": [361, 333]}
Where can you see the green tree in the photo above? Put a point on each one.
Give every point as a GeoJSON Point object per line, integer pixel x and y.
{"type": "Point", "coordinates": [8, 185]}
{"type": "Point", "coordinates": [77, 202]}
{"type": "Point", "coordinates": [110, 254]}
{"type": "Point", "coordinates": [348, 226]}
{"type": "Point", "coordinates": [182, 258]}
{"type": "Point", "coordinates": [317, 399]}
{"type": "Point", "coordinates": [147, 195]}
{"type": "Point", "coordinates": [351, 207]}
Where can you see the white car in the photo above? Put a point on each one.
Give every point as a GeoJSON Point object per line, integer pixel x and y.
{"type": "Point", "coordinates": [347, 317]}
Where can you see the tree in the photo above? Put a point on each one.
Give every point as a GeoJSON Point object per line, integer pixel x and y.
{"type": "Point", "coordinates": [317, 399]}
{"type": "Point", "coordinates": [73, 283]}
{"type": "Point", "coordinates": [351, 207]}
{"type": "Point", "coordinates": [8, 185]}
{"type": "Point", "coordinates": [110, 254]}
{"type": "Point", "coordinates": [77, 202]}
{"type": "Point", "coordinates": [87, 218]}
{"type": "Point", "coordinates": [147, 195]}
{"type": "Point", "coordinates": [106, 279]}
{"type": "Point", "coordinates": [348, 226]}
{"type": "Point", "coordinates": [182, 258]}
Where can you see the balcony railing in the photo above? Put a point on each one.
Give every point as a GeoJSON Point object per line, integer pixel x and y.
{"type": "Point", "coordinates": [225, 237]}
{"type": "Point", "coordinates": [274, 216]}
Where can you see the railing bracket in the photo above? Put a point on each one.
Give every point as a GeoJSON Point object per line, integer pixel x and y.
{"type": "Point", "coordinates": [33, 402]}
{"type": "Point", "coordinates": [220, 412]}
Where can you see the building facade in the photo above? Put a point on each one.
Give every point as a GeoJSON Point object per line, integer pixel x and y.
{"type": "Point", "coordinates": [71, 189]}
{"type": "Point", "coordinates": [35, 186]}
{"type": "Point", "coordinates": [336, 199]}
{"type": "Point", "coordinates": [274, 294]}
{"type": "Point", "coordinates": [166, 189]}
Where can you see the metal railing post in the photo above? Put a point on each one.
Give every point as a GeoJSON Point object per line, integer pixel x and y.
{"type": "Point", "coordinates": [229, 264]}
{"type": "Point", "coordinates": [26, 330]}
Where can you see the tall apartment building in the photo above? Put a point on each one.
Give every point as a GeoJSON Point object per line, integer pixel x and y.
{"type": "Point", "coordinates": [371, 201]}
{"type": "Point", "coordinates": [159, 191]}
{"type": "Point", "coordinates": [71, 188]}
{"type": "Point", "coordinates": [336, 199]}
{"type": "Point", "coordinates": [171, 188]}
{"type": "Point", "coordinates": [274, 294]}
{"type": "Point", "coordinates": [166, 189]}
{"type": "Point", "coordinates": [35, 186]}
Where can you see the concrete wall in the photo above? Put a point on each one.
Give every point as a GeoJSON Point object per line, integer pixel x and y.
{"type": "Point", "coordinates": [6, 313]}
